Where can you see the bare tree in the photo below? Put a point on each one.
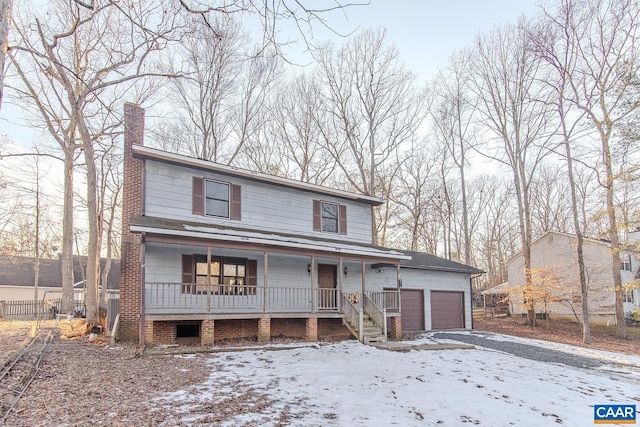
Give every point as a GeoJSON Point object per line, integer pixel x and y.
{"type": "Point", "coordinates": [506, 83]}
{"type": "Point", "coordinates": [414, 193]}
{"type": "Point", "coordinates": [603, 56]}
{"type": "Point", "coordinates": [375, 106]}
{"type": "Point", "coordinates": [75, 67]}
{"type": "Point", "coordinates": [298, 126]}
{"type": "Point", "coordinates": [453, 119]}
{"type": "Point", "coordinates": [6, 7]}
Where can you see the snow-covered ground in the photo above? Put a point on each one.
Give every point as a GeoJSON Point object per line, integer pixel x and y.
{"type": "Point", "coordinates": [350, 384]}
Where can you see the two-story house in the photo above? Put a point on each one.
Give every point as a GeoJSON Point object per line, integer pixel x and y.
{"type": "Point", "coordinates": [211, 252]}
{"type": "Point", "coordinates": [554, 264]}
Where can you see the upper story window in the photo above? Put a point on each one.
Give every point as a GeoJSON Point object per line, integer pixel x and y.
{"type": "Point", "coordinates": [625, 264]}
{"type": "Point", "coordinates": [216, 198]}
{"type": "Point", "coordinates": [329, 217]}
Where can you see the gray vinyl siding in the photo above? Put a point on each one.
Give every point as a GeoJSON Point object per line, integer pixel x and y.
{"type": "Point", "coordinates": [426, 280]}
{"type": "Point", "coordinates": [265, 207]}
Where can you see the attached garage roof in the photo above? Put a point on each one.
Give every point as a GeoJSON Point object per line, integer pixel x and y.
{"type": "Point", "coordinates": [424, 261]}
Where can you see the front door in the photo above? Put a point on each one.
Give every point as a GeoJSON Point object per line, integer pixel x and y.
{"type": "Point", "coordinates": [327, 293]}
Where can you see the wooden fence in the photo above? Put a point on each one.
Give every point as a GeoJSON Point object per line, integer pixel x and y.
{"type": "Point", "coordinates": [30, 309]}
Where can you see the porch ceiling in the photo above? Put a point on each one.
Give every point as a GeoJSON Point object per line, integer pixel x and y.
{"type": "Point", "coordinates": [240, 236]}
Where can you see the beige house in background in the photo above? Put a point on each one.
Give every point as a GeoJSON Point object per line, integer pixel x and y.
{"type": "Point", "coordinates": [17, 276]}
{"type": "Point", "coordinates": [554, 255]}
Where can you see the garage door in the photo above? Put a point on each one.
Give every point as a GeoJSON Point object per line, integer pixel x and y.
{"type": "Point", "coordinates": [447, 310]}
{"type": "Point", "coordinates": [412, 306]}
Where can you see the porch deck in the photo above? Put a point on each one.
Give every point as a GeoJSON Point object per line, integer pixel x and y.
{"type": "Point", "coordinates": [188, 299]}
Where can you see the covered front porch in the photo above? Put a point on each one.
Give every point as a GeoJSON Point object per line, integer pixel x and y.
{"type": "Point", "coordinates": [234, 281]}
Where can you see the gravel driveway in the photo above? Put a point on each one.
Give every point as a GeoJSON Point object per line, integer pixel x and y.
{"type": "Point", "coordinates": [526, 351]}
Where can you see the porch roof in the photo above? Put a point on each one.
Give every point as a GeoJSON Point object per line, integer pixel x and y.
{"type": "Point", "coordinates": [175, 228]}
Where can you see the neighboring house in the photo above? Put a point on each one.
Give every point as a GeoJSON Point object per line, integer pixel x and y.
{"type": "Point", "coordinates": [17, 277]}
{"type": "Point", "coordinates": [211, 252]}
{"type": "Point", "coordinates": [555, 255]}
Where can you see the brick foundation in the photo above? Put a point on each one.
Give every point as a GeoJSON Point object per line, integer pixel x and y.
{"type": "Point", "coordinates": [163, 332]}
{"type": "Point", "coordinates": [207, 332]}
{"type": "Point", "coordinates": [394, 328]}
{"type": "Point", "coordinates": [264, 330]}
{"type": "Point", "coordinates": [311, 330]}
{"type": "Point", "coordinates": [236, 329]}
{"type": "Point", "coordinates": [288, 328]}
{"type": "Point", "coordinates": [332, 330]}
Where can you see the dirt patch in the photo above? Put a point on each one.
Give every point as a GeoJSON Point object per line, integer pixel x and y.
{"type": "Point", "coordinates": [87, 383]}
{"type": "Point", "coordinates": [602, 338]}
{"type": "Point", "coordinates": [14, 335]}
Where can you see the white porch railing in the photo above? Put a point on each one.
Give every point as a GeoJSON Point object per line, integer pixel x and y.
{"type": "Point", "coordinates": [352, 313]}
{"type": "Point", "coordinates": [389, 300]}
{"type": "Point", "coordinates": [377, 314]}
{"type": "Point", "coordinates": [165, 298]}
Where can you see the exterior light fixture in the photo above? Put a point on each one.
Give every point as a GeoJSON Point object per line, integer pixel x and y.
{"type": "Point", "coordinates": [309, 268]}
{"type": "Point", "coordinates": [345, 271]}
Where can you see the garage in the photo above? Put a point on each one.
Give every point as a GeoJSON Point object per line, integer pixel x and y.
{"type": "Point", "coordinates": [447, 310]}
{"type": "Point", "coordinates": [412, 306]}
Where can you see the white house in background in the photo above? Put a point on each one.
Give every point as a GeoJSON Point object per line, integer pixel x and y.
{"type": "Point", "coordinates": [211, 252]}
{"type": "Point", "coordinates": [557, 253]}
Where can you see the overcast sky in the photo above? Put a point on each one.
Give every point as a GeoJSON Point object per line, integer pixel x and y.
{"type": "Point", "coordinates": [425, 31]}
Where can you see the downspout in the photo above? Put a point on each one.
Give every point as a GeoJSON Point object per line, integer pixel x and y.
{"type": "Point", "coordinates": [142, 286]}
{"type": "Point", "coordinates": [471, 277]}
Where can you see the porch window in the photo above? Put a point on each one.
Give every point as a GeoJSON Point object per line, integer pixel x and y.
{"type": "Point", "coordinates": [227, 276]}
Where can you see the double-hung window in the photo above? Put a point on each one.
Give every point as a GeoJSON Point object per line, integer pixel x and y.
{"type": "Point", "coordinates": [329, 217]}
{"type": "Point", "coordinates": [216, 199]}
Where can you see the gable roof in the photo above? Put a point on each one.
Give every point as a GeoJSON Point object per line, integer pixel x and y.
{"type": "Point", "coordinates": [178, 159]}
{"type": "Point", "coordinates": [19, 271]}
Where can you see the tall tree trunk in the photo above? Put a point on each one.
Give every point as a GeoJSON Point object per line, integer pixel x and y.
{"type": "Point", "coordinates": [5, 20]}
{"type": "Point", "coordinates": [584, 290]}
{"type": "Point", "coordinates": [66, 266]}
{"type": "Point", "coordinates": [613, 237]}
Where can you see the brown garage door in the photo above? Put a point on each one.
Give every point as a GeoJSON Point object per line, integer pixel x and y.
{"type": "Point", "coordinates": [447, 310]}
{"type": "Point", "coordinates": [412, 306]}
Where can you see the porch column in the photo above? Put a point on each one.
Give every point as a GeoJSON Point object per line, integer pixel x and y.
{"type": "Point", "coordinates": [148, 332]}
{"type": "Point", "coordinates": [396, 328]}
{"type": "Point", "coordinates": [311, 333]}
{"type": "Point", "coordinates": [208, 281]}
{"type": "Point", "coordinates": [399, 287]}
{"type": "Point", "coordinates": [264, 329]}
{"type": "Point", "coordinates": [363, 281]}
{"type": "Point", "coordinates": [265, 292]}
{"type": "Point", "coordinates": [340, 285]}
{"type": "Point", "coordinates": [313, 286]}
{"type": "Point", "coordinates": [207, 329]}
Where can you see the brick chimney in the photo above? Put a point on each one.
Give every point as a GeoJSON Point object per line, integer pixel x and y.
{"type": "Point", "coordinates": [132, 250]}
